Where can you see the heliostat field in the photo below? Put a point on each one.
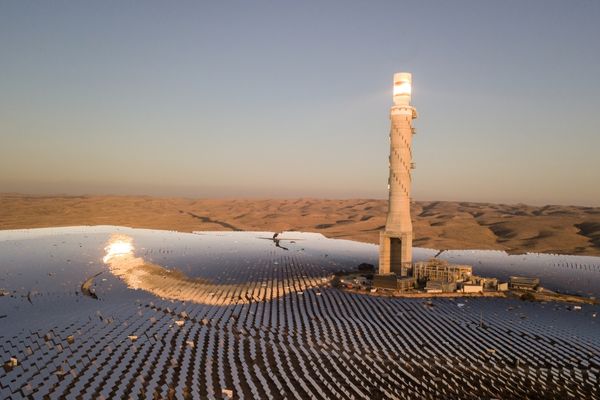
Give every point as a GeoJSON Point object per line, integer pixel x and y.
{"type": "Point", "coordinates": [111, 312]}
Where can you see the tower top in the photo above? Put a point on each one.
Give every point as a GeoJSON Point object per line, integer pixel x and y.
{"type": "Point", "coordinates": [402, 88]}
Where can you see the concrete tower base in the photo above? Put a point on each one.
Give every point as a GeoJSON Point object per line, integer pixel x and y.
{"type": "Point", "coordinates": [395, 253]}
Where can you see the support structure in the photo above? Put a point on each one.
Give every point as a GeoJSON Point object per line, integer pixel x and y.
{"type": "Point", "coordinates": [395, 247]}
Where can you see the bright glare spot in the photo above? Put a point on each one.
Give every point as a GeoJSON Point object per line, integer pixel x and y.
{"type": "Point", "coordinates": [402, 88]}
{"type": "Point", "coordinates": [117, 247]}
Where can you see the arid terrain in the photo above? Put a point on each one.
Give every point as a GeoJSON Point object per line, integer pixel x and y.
{"type": "Point", "coordinates": [442, 225]}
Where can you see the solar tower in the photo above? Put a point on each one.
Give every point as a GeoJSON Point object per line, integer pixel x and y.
{"type": "Point", "coordinates": [395, 247]}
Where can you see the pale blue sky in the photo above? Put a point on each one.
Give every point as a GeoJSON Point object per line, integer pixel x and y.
{"type": "Point", "coordinates": [291, 98]}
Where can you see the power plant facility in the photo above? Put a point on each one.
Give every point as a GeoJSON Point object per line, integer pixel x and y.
{"type": "Point", "coordinates": [396, 268]}
{"type": "Point", "coordinates": [397, 272]}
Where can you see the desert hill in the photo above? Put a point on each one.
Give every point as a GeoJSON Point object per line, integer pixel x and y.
{"type": "Point", "coordinates": [441, 225]}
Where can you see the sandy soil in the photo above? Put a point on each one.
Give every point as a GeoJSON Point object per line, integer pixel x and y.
{"type": "Point", "coordinates": [440, 225]}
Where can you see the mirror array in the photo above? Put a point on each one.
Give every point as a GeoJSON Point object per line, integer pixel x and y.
{"type": "Point", "coordinates": [112, 312]}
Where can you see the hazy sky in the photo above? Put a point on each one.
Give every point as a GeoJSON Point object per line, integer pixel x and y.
{"type": "Point", "coordinates": [291, 98]}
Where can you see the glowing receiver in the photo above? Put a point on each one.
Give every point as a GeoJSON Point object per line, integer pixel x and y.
{"type": "Point", "coordinates": [402, 88]}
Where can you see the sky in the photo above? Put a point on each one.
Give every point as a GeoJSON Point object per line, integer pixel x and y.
{"type": "Point", "coordinates": [285, 99]}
